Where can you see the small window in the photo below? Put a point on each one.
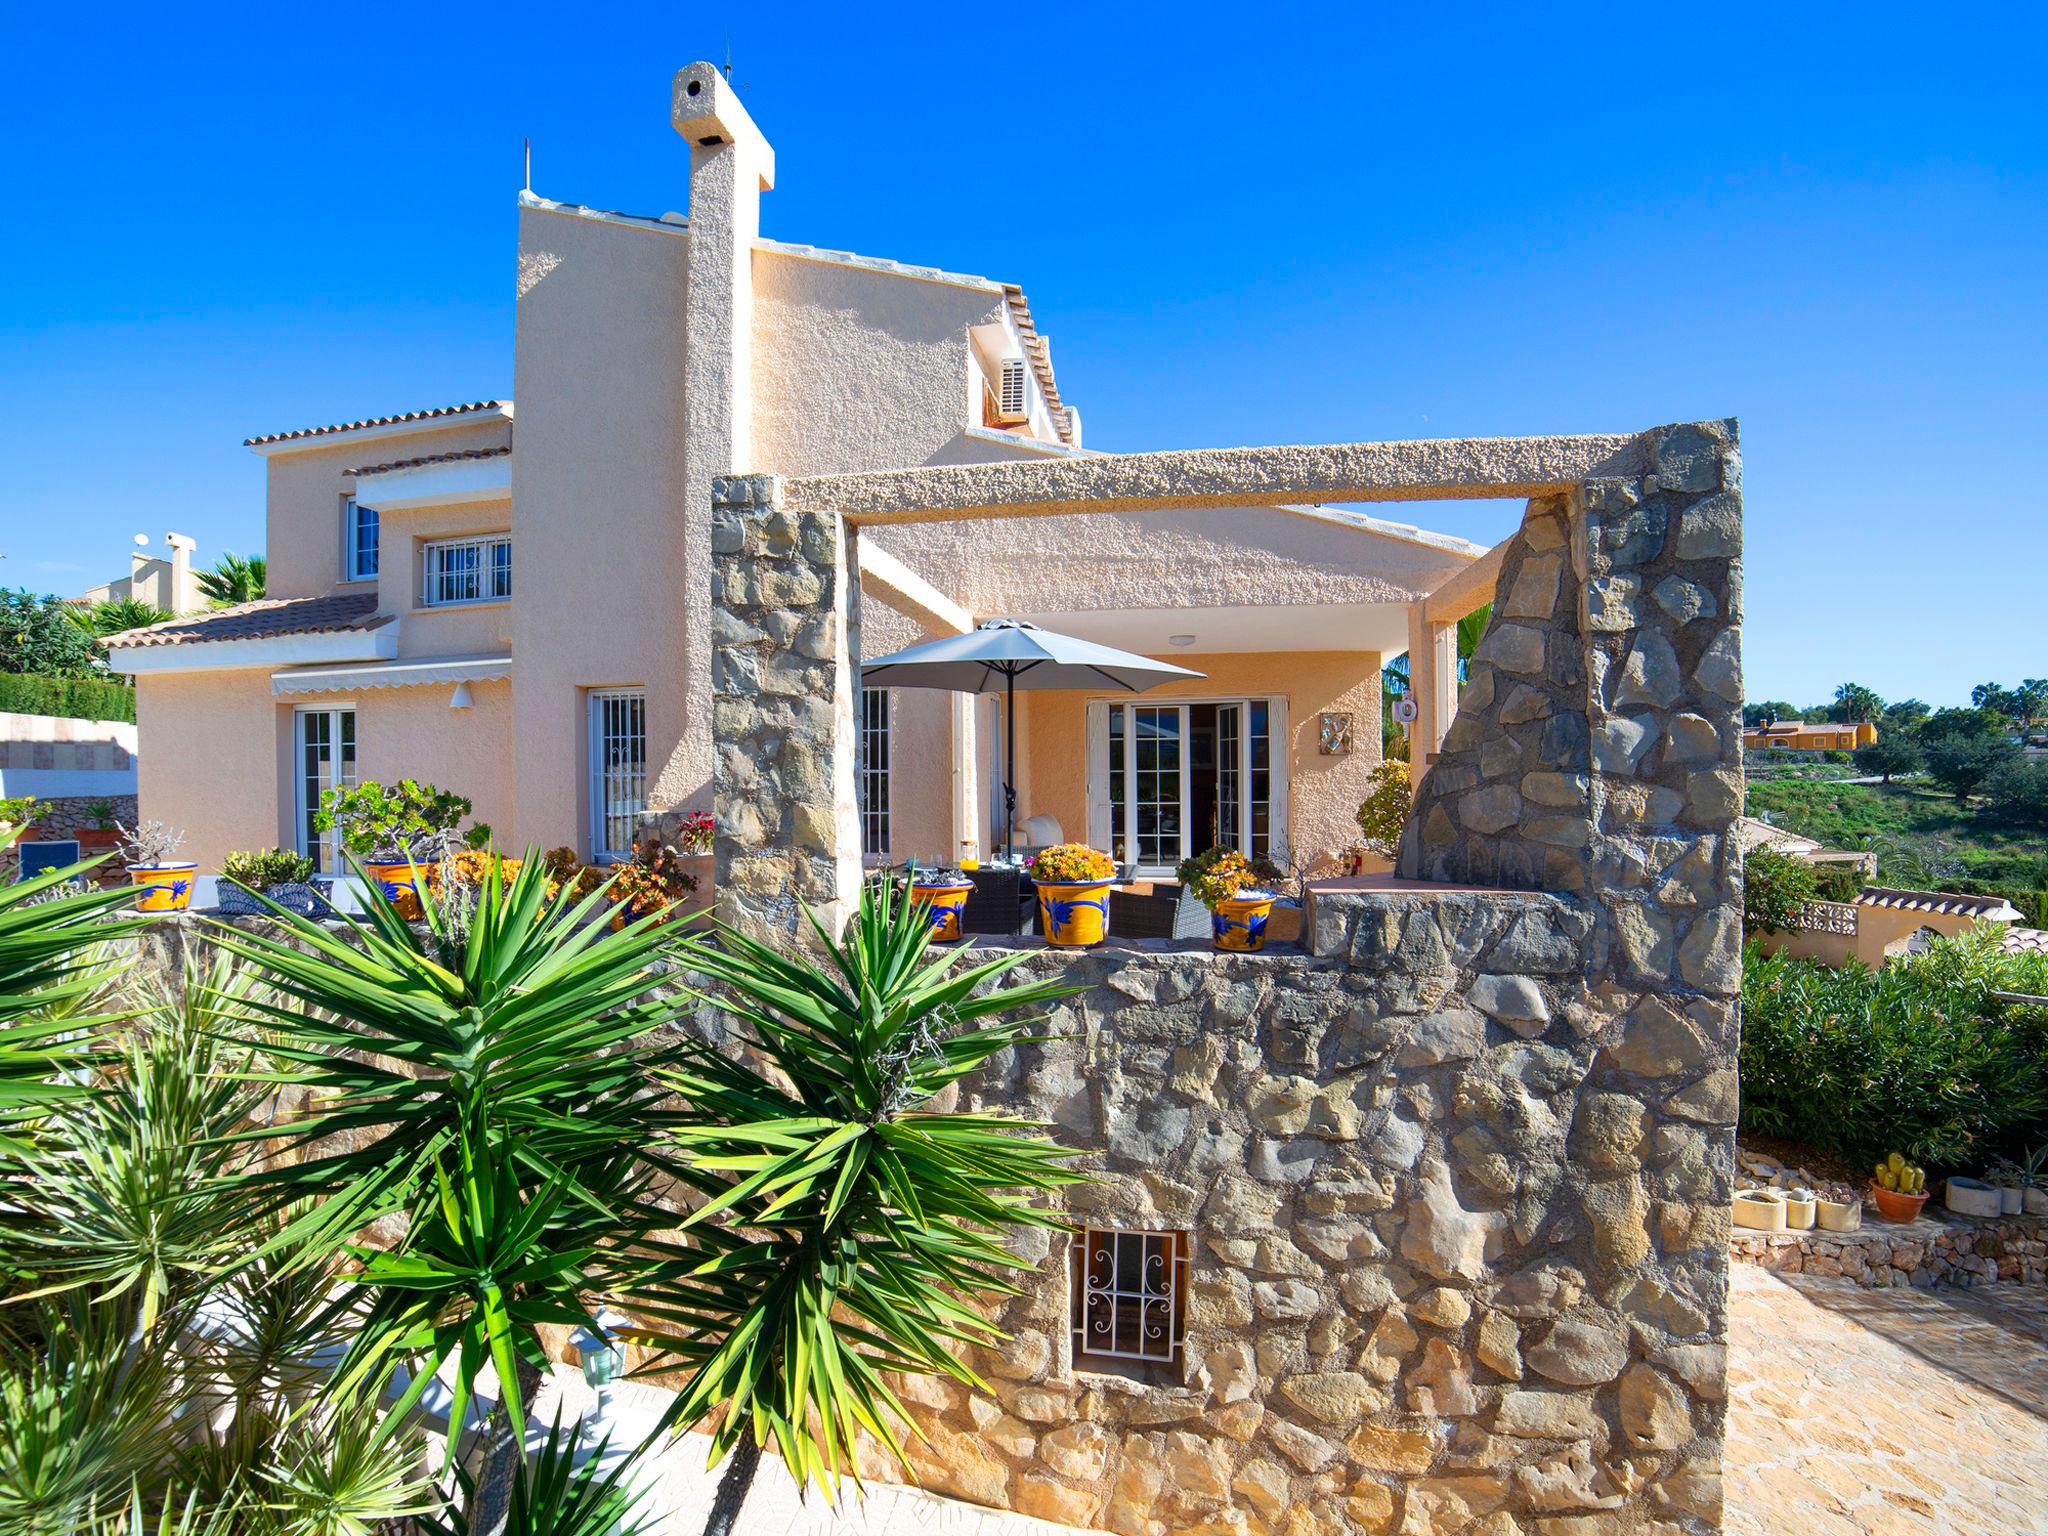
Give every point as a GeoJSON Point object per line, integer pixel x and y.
{"type": "Point", "coordinates": [1129, 1298]}
{"type": "Point", "coordinates": [874, 770]}
{"type": "Point", "coordinates": [618, 770]}
{"type": "Point", "coordinates": [466, 570]}
{"type": "Point", "coordinates": [359, 541]}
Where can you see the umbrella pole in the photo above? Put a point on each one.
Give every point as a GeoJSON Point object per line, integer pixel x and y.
{"type": "Point", "coordinates": [1010, 771]}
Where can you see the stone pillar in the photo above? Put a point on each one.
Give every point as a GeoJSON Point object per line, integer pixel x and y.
{"type": "Point", "coordinates": [785, 649]}
{"type": "Point", "coordinates": [1433, 682]}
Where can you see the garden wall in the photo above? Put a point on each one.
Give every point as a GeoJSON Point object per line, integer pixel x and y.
{"type": "Point", "coordinates": [1453, 1184]}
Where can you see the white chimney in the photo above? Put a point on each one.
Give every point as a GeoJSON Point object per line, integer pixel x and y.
{"type": "Point", "coordinates": [183, 594]}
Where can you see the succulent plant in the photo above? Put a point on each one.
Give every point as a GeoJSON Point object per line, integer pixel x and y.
{"type": "Point", "coordinates": [1896, 1174]}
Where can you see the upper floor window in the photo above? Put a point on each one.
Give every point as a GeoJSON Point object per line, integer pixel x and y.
{"type": "Point", "coordinates": [359, 541]}
{"type": "Point", "coordinates": [475, 570]}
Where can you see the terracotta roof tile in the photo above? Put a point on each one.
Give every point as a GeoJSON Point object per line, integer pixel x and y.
{"type": "Point", "coordinates": [376, 421]}
{"type": "Point", "coordinates": [266, 617]}
{"type": "Point", "coordinates": [431, 458]}
{"type": "Point", "coordinates": [2024, 941]}
{"type": "Point", "coordinates": [1947, 903]}
{"type": "Point", "coordinates": [1041, 358]}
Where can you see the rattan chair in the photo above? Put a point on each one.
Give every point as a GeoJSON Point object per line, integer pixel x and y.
{"type": "Point", "coordinates": [997, 904]}
{"type": "Point", "coordinates": [1169, 912]}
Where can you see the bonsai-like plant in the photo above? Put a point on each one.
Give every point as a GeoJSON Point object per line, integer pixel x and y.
{"type": "Point", "coordinates": [150, 844]}
{"type": "Point", "coordinates": [267, 867]}
{"type": "Point", "coordinates": [1384, 812]}
{"type": "Point", "coordinates": [1220, 873]}
{"type": "Point", "coordinates": [406, 821]}
{"type": "Point", "coordinates": [1072, 864]}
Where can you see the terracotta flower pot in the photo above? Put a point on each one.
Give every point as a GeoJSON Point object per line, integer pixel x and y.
{"type": "Point", "coordinates": [1893, 1206]}
{"type": "Point", "coordinates": [945, 902]}
{"type": "Point", "coordinates": [93, 840]}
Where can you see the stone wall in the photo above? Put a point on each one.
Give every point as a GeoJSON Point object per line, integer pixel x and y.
{"type": "Point", "coordinates": [1455, 1181]}
{"type": "Point", "coordinates": [785, 680]}
{"type": "Point", "coordinates": [1963, 1251]}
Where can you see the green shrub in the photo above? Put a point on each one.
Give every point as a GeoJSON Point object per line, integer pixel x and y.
{"type": "Point", "coordinates": [74, 698]}
{"type": "Point", "coordinates": [1775, 888]}
{"type": "Point", "coordinates": [267, 867]}
{"type": "Point", "coordinates": [39, 638]}
{"type": "Point", "coordinates": [1915, 1057]}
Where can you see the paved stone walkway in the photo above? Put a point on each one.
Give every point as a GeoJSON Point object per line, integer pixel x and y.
{"type": "Point", "coordinates": [1858, 1412]}
{"type": "Point", "coordinates": [1853, 1412]}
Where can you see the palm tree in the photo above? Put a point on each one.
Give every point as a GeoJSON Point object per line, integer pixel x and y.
{"type": "Point", "coordinates": [115, 615]}
{"type": "Point", "coordinates": [1854, 703]}
{"type": "Point", "coordinates": [843, 1220]}
{"type": "Point", "coordinates": [488, 1078]}
{"type": "Point", "coordinates": [233, 580]}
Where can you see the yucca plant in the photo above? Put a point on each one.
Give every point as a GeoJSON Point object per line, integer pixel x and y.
{"type": "Point", "coordinates": [845, 1227]}
{"type": "Point", "coordinates": [553, 1496]}
{"type": "Point", "coordinates": [487, 1078]}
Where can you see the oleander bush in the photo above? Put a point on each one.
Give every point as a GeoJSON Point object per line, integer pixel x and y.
{"type": "Point", "coordinates": [1917, 1056]}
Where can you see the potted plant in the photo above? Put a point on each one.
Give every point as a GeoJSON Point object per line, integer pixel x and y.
{"type": "Point", "coordinates": [1801, 1206]}
{"type": "Point", "coordinates": [944, 893]}
{"type": "Point", "coordinates": [1238, 893]}
{"type": "Point", "coordinates": [1073, 883]}
{"type": "Point", "coordinates": [1899, 1188]}
{"type": "Point", "coordinates": [566, 872]}
{"type": "Point", "coordinates": [1839, 1215]}
{"type": "Point", "coordinates": [1972, 1197]}
{"type": "Point", "coordinates": [22, 811]}
{"type": "Point", "coordinates": [395, 832]}
{"type": "Point", "coordinates": [283, 875]}
{"type": "Point", "coordinates": [2034, 1182]}
{"type": "Point", "coordinates": [654, 880]}
{"type": "Point", "coordinates": [101, 832]}
{"type": "Point", "coordinates": [163, 881]}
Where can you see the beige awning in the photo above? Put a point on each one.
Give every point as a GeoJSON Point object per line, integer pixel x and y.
{"type": "Point", "coordinates": [423, 672]}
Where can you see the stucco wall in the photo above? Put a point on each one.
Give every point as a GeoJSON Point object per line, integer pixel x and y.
{"type": "Point", "coordinates": [1323, 792]}
{"type": "Point", "coordinates": [305, 487]}
{"type": "Point", "coordinates": [597, 499]}
{"type": "Point", "coordinates": [411, 733]}
{"type": "Point", "coordinates": [213, 762]}
{"type": "Point", "coordinates": [468, 629]}
{"type": "Point", "coordinates": [856, 369]}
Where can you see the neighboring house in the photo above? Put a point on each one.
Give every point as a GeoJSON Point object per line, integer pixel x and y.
{"type": "Point", "coordinates": [1804, 736]}
{"type": "Point", "coordinates": [1753, 833]}
{"type": "Point", "coordinates": [1882, 924]}
{"type": "Point", "coordinates": [167, 583]}
{"type": "Point", "coordinates": [653, 354]}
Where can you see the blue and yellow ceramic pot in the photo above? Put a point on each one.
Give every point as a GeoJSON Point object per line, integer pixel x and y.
{"type": "Point", "coordinates": [394, 877]}
{"type": "Point", "coordinates": [163, 887]}
{"type": "Point", "coordinates": [1074, 915]}
{"type": "Point", "coordinates": [1239, 922]}
{"type": "Point", "coordinates": [945, 899]}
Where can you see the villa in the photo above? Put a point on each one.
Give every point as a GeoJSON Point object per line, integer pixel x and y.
{"type": "Point", "coordinates": [654, 354]}
{"type": "Point", "coordinates": [1809, 735]}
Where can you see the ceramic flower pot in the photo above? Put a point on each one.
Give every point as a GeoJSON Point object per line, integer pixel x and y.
{"type": "Point", "coordinates": [1800, 1210]}
{"type": "Point", "coordinates": [1074, 915]}
{"type": "Point", "coordinates": [2034, 1201]}
{"type": "Point", "coordinates": [945, 902]}
{"type": "Point", "coordinates": [1239, 922]}
{"type": "Point", "coordinates": [1760, 1210]}
{"type": "Point", "coordinates": [163, 887]}
{"type": "Point", "coordinates": [2011, 1200]}
{"type": "Point", "coordinates": [1893, 1206]}
{"type": "Point", "coordinates": [1840, 1215]}
{"type": "Point", "coordinates": [394, 877]}
{"type": "Point", "coordinates": [1971, 1197]}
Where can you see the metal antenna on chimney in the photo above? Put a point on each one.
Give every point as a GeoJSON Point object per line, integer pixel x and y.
{"type": "Point", "coordinates": [529, 163]}
{"type": "Point", "coordinates": [728, 58]}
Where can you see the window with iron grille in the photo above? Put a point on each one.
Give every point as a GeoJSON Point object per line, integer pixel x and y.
{"type": "Point", "coordinates": [466, 570]}
{"type": "Point", "coordinates": [1129, 1295]}
{"type": "Point", "coordinates": [874, 770]}
{"type": "Point", "coordinates": [618, 770]}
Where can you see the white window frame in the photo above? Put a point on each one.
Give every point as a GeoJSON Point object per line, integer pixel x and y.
{"type": "Point", "coordinates": [1102, 835]}
{"type": "Point", "coordinates": [874, 807]}
{"type": "Point", "coordinates": [357, 562]}
{"type": "Point", "coordinates": [493, 575]}
{"type": "Point", "coordinates": [1147, 1273]}
{"type": "Point", "coordinates": [595, 770]}
{"type": "Point", "coordinates": [324, 847]}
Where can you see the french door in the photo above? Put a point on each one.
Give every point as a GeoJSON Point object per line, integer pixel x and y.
{"type": "Point", "coordinates": [1166, 781]}
{"type": "Point", "coordinates": [324, 755]}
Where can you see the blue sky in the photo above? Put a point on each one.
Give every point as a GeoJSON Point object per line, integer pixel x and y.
{"type": "Point", "coordinates": [1353, 223]}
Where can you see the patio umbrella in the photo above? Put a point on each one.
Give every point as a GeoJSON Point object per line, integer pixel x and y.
{"type": "Point", "coordinates": [1018, 655]}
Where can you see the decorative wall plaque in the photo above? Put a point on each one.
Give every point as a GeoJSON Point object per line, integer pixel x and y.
{"type": "Point", "coordinates": [1336, 735]}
